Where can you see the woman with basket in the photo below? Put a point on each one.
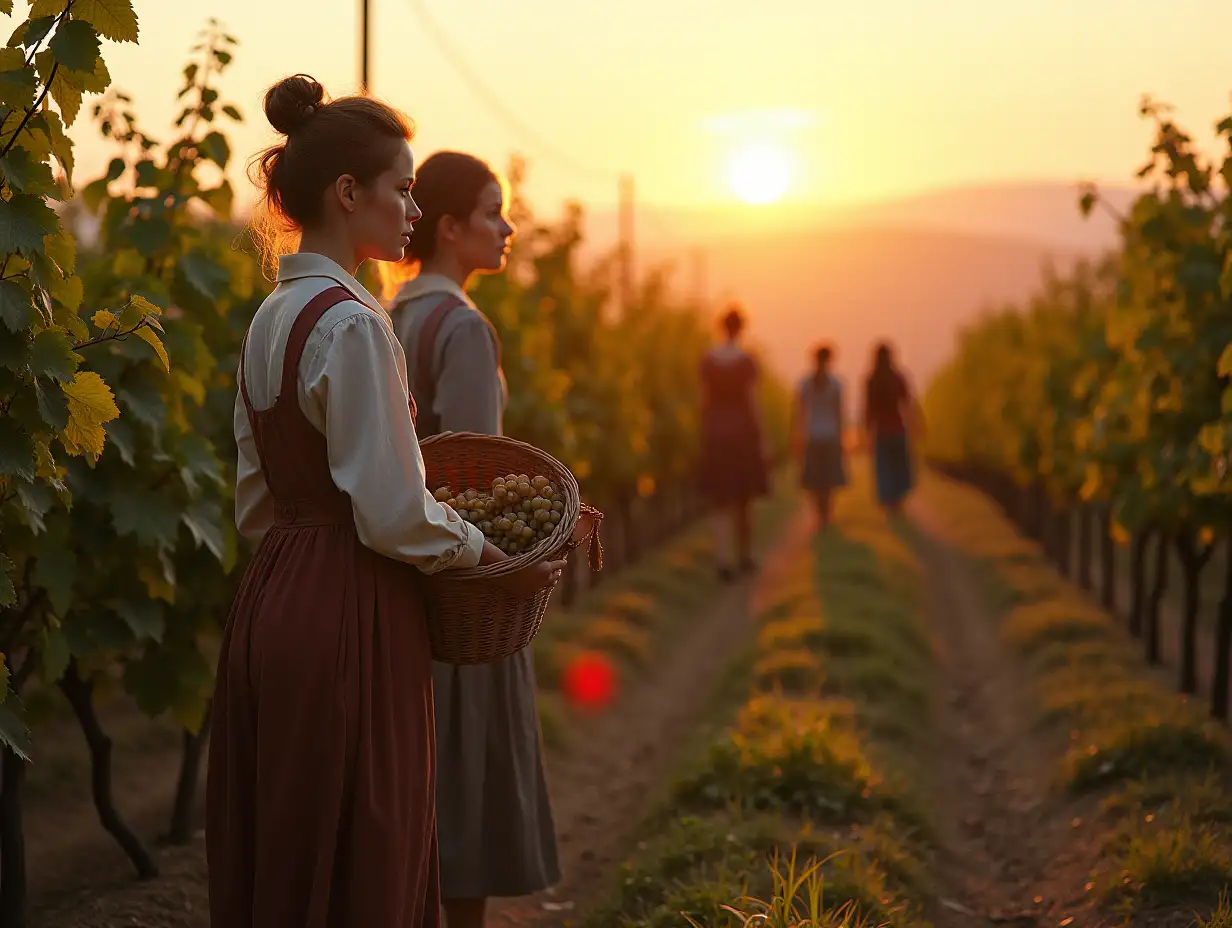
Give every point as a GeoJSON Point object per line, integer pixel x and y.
{"type": "Point", "coordinates": [497, 836]}
{"type": "Point", "coordinates": [320, 794]}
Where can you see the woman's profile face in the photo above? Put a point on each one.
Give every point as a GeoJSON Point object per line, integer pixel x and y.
{"type": "Point", "coordinates": [386, 211]}
{"type": "Point", "coordinates": [482, 243]}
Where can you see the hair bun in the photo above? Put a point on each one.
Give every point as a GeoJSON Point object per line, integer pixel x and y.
{"type": "Point", "coordinates": [290, 102]}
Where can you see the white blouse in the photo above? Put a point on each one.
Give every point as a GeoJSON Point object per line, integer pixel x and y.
{"type": "Point", "coordinates": [352, 387]}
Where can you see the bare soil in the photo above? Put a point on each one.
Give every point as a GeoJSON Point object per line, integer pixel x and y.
{"type": "Point", "coordinates": [1014, 851]}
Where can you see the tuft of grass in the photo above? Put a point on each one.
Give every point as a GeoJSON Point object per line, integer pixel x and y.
{"type": "Point", "coordinates": [800, 897]}
{"type": "Point", "coordinates": [615, 637]}
{"type": "Point", "coordinates": [1166, 867]}
{"type": "Point", "coordinates": [788, 756]}
{"type": "Point", "coordinates": [1221, 917]}
{"type": "Point", "coordinates": [632, 607]}
{"type": "Point", "coordinates": [791, 670]}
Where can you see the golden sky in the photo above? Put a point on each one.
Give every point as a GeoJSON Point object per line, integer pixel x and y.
{"type": "Point", "coordinates": [869, 99]}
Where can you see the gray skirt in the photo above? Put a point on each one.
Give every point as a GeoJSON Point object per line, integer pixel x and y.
{"type": "Point", "coordinates": [494, 819]}
{"type": "Point", "coordinates": [824, 468]}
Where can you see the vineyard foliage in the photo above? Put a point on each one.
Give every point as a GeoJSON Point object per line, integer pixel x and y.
{"type": "Point", "coordinates": [118, 352]}
{"type": "Point", "coordinates": [1110, 383]}
{"type": "Point", "coordinates": [53, 407]}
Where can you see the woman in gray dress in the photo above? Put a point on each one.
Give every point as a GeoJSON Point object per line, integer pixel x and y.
{"type": "Point", "coordinates": [497, 836]}
{"type": "Point", "coordinates": [817, 434]}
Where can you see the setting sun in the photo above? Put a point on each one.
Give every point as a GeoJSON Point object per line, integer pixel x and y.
{"type": "Point", "coordinates": [760, 173]}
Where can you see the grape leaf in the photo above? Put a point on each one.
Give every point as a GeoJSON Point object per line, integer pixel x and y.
{"type": "Point", "coordinates": [14, 732]}
{"type": "Point", "coordinates": [144, 617]}
{"type": "Point", "coordinates": [18, 83]}
{"type": "Point", "coordinates": [36, 499]}
{"type": "Point", "coordinates": [219, 199]}
{"type": "Point", "coordinates": [16, 309]}
{"type": "Point", "coordinates": [204, 273]}
{"type": "Point", "coordinates": [69, 292]}
{"type": "Point", "coordinates": [17, 457]}
{"type": "Point", "coordinates": [61, 247]}
{"type": "Point", "coordinates": [145, 402]}
{"type": "Point", "coordinates": [52, 404]}
{"type": "Point", "coordinates": [56, 654]}
{"type": "Point", "coordinates": [105, 319]}
{"type": "Point", "coordinates": [147, 334]}
{"type": "Point", "coordinates": [120, 435]}
{"type": "Point", "coordinates": [204, 520]}
{"type": "Point", "coordinates": [214, 147]}
{"type": "Point", "coordinates": [149, 235]}
{"type": "Point", "coordinates": [52, 355]}
{"type": "Point", "coordinates": [178, 679]}
{"type": "Point", "coordinates": [14, 350]}
{"type": "Point", "coordinates": [90, 405]}
{"type": "Point", "coordinates": [75, 45]}
{"type": "Point", "coordinates": [61, 145]}
{"type": "Point", "coordinates": [55, 570]}
{"type": "Point", "coordinates": [8, 594]}
{"type": "Point", "coordinates": [150, 517]}
{"type": "Point", "coordinates": [94, 194]}
{"type": "Point", "coordinates": [113, 19]}
{"type": "Point", "coordinates": [24, 174]}
{"type": "Point", "coordinates": [25, 220]}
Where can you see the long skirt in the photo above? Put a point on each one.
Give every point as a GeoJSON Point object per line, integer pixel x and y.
{"type": "Point", "coordinates": [320, 794]}
{"type": "Point", "coordinates": [824, 468]}
{"type": "Point", "coordinates": [892, 468]}
{"type": "Point", "coordinates": [494, 816]}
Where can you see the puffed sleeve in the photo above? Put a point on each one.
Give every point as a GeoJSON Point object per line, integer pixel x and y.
{"type": "Point", "coordinates": [468, 388]}
{"type": "Point", "coordinates": [374, 454]}
{"type": "Point", "coordinates": [254, 505]}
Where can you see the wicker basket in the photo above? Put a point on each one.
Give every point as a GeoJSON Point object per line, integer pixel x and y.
{"type": "Point", "coordinates": [472, 617]}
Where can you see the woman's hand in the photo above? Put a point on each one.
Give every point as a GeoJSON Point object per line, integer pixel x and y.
{"type": "Point", "coordinates": [529, 580]}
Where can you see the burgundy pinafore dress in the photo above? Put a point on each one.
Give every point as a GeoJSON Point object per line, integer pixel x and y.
{"type": "Point", "coordinates": [320, 792]}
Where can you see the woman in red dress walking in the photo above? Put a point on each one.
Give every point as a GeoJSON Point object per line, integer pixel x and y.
{"type": "Point", "coordinates": [320, 794]}
{"type": "Point", "coordinates": [732, 469]}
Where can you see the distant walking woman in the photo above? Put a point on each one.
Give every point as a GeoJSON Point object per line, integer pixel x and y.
{"type": "Point", "coordinates": [818, 434]}
{"type": "Point", "coordinates": [733, 464]}
{"type": "Point", "coordinates": [320, 794]}
{"type": "Point", "coordinates": [493, 814]}
{"type": "Point", "coordinates": [888, 405]}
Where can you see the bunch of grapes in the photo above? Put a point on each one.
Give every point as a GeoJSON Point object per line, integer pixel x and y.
{"type": "Point", "coordinates": [519, 512]}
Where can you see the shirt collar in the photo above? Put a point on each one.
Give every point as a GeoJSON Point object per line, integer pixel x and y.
{"type": "Point", "coordinates": [422, 284]}
{"type": "Point", "coordinates": [310, 264]}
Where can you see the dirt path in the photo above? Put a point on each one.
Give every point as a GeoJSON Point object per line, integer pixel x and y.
{"type": "Point", "coordinates": [1006, 842]}
{"type": "Point", "coordinates": [600, 787]}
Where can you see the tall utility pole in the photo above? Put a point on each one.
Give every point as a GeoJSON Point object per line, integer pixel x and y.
{"type": "Point", "coordinates": [626, 243]}
{"type": "Point", "coordinates": [364, 32]}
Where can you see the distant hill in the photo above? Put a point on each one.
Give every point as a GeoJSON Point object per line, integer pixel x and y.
{"type": "Point", "coordinates": [911, 270]}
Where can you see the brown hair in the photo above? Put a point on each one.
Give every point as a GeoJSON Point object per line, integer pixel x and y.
{"type": "Point", "coordinates": [447, 184]}
{"type": "Point", "coordinates": [324, 139]}
{"type": "Point", "coordinates": [733, 320]}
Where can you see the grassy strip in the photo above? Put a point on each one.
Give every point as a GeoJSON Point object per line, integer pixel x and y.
{"type": "Point", "coordinates": [804, 800]}
{"type": "Point", "coordinates": [630, 617]}
{"type": "Point", "coordinates": [1162, 769]}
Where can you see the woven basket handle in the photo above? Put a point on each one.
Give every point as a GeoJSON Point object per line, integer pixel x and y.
{"type": "Point", "coordinates": [587, 527]}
